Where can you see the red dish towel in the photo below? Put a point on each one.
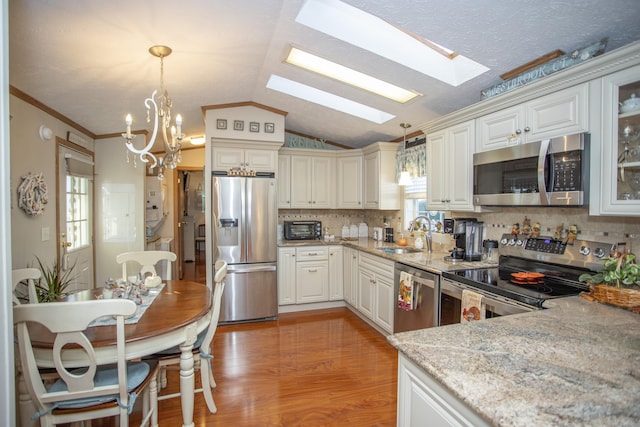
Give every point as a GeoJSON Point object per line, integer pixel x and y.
{"type": "Point", "coordinates": [405, 291]}
{"type": "Point", "coordinates": [472, 308]}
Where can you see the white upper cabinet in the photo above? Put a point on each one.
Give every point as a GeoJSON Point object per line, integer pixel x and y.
{"type": "Point", "coordinates": [615, 158]}
{"type": "Point", "coordinates": [284, 181]}
{"type": "Point", "coordinates": [450, 168]}
{"type": "Point", "coordinates": [311, 180]}
{"type": "Point", "coordinates": [349, 183]}
{"type": "Point", "coordinates": [561, 113]}
{"type": "Point", "coordinates": [225, 158]}
{"type": "Point", "coordinates": [381, 191]}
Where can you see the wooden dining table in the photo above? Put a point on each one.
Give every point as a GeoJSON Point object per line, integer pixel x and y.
{"type": "Point", "coordinates": [180, 311]}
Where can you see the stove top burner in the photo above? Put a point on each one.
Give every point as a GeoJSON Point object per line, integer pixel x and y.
{"type": "Point", "coordinates": [555, 269]}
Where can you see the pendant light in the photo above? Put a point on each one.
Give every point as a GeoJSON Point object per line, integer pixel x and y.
{"type": "Point", "coordinates": [162, 123]}
{"type": "Point", "coordinates": [405, 178]}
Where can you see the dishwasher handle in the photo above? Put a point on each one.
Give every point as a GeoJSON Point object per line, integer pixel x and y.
{"type": "Point", "coordinates": [418, 284]}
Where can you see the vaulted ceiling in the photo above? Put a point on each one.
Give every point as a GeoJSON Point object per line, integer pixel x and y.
{"type": "Point", "coordinates": [88, 59]}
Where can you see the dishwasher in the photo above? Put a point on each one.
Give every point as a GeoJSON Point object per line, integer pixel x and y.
{"type": "Point", "coordinates": [424, 311]}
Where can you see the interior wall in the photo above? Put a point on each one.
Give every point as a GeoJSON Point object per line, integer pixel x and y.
{"type": "Point", "coordinates": [119, 206]}
{"type": "Point", "coordinates": [30, 154]}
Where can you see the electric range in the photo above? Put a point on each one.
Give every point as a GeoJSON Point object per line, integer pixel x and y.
{"type": "Point", "coordinates": [532, 270]}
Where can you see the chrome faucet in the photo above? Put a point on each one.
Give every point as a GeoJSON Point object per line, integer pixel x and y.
{"type": "Point", "coordinates": [421, 219]}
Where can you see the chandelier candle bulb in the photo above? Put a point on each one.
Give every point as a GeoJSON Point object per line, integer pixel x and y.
{"type": "Point", "coordinates": [128, 122]}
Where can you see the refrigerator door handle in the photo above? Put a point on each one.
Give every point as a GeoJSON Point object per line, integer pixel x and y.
{"type": "Point", "coordinates": [247, 268]}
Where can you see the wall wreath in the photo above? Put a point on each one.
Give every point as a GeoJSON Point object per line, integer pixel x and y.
{"type": "Point", "coordinates": [32, 194]}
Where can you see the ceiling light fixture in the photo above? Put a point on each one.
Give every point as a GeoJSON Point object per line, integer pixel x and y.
{"type": "Point", "coordinates": [197, 140]}
{"type": "Point", "coordinates": [162, 118]}
{"type": "Point", "coordinates": [327, 99]}
{"type": "Point", "coordinates": [405, 178]}
{"type": "Point", "coordinates": [359, 28]}
{"type": "Point", "coordinates": [349, 76]}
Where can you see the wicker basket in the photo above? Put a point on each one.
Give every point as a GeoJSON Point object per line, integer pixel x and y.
{"type": "Point", "coordinates": [620, 297]}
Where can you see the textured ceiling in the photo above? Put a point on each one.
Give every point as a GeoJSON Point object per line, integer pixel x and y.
{"type": "Point", "coordinates": [88, 60]}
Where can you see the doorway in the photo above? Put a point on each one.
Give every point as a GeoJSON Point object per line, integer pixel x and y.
{"type": "Point", "coordinates": [75, 215]}
{"type": "Point", "coordinates": [190, 219]}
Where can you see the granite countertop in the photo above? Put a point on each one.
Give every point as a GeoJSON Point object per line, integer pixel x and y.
{"type": "Point", "coordinates": [575, 364]}
{"type": "Point", "coordinates": [433, 261]}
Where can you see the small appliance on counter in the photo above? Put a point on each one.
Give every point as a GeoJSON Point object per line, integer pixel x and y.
{"type": "Point", "coordinates": [467, 233]}
{"type": "Point", "coordinates": [388, 235]}
{"type": "Point", "coordinates": [302, 230]}
{"type": "Point", "coordinates": [377, 233]}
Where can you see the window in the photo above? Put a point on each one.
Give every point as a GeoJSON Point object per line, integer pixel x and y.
{"type": "Point", "coordinates": [78, 212]}
{"type": "Point", "coordinates": [415, 203]}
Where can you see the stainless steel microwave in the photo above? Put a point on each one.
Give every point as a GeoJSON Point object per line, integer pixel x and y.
{"type": "Point", "coordinates": [550, 172]}
{"type": "Point", "coordinates": [302, 230]}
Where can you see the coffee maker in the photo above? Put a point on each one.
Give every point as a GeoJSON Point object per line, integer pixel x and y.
{"type": "Point", "coordinates": [467, 233]}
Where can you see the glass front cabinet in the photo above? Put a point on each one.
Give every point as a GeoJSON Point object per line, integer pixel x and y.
{"type": "Point", "coordinates": [620, 145]}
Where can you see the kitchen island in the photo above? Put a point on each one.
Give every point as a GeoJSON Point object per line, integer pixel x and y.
{"type": "Point", "coordinates": [575, 364]}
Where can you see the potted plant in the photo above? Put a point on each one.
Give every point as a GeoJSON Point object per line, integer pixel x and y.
{"type": "Point", "coordinates": [54, 282]}
{"type": "Point", "coordinates": [617, 283]}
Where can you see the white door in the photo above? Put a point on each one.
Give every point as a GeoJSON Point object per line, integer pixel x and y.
{"type": "Point", "coordinates": [75, 213]}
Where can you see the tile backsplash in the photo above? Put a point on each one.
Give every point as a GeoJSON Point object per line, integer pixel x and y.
{"type": "Point", "coordinates": [597, 228]}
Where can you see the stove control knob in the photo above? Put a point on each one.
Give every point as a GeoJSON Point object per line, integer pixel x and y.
{"type": "Point", "coordinates": [519, 242]}
{"type": "Point", "coordinates": [584, 250]}
{"type": "Point", "coordinates": [512, 242]}
{"type": "Point", "coordinates": [504, 241]}
{"type": "Point", "coordinates": [598, 252]}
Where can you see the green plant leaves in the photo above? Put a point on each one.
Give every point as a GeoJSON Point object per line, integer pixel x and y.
{"type": "Point", "coordinates": [616, 272]}
{"type": "Point", "coordinates": [53, 283]}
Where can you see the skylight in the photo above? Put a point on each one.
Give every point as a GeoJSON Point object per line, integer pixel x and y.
{"type": "Point", "coordinates": [327, 99]}
{"type": "Point", "coordinates": [347, 75]}
{"type": "Point", "coordinates": [373, 34]}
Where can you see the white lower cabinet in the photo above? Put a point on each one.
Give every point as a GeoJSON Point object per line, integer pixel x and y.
{"type": "Point", "coordinates": [423, 401]}
{"type": "Point", "coordinates": [310, 274]}
{"type": "Point", "coordinates": [375, 290]}
{"type": "Point", "coordinates": [311, 281]}
{"type": "Point", "coordinates": [336, 283]}
{"type": "Point", "coordinates": [350, 275]}
{"type": "Point", "coordinates": [286, 276]}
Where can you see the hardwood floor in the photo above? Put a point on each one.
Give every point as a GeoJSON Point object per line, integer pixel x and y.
{"type": "Point", "coordinates": [316, 368]}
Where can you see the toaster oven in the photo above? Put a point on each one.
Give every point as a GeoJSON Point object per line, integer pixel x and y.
{"type": "Point", "coordinates": [302, 230]}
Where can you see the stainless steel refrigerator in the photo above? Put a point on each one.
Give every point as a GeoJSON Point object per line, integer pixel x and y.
{"type": "Point", "coordinates": [244, 224]}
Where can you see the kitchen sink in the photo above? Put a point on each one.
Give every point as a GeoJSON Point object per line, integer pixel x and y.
{"type": "Point", "coordinates": [399, 251]}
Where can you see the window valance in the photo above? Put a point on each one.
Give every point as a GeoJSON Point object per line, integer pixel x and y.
{"type": "Point", "coordinates": [414, 159]}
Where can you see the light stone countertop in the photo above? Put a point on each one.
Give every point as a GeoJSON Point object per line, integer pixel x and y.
{"type": "Point", "coordinates": [576, 364]}
{"type": "Point", "coordinates": [433, 262]}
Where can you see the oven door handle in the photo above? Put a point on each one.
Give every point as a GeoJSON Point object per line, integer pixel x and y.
{"type": "Point", "coordinates": [542, 159]}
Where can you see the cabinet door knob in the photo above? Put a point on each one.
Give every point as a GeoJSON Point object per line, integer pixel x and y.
{"type": "Point", "coordinates": [527, 129]}
{"type": "Point", "coordinates": [518, 131]}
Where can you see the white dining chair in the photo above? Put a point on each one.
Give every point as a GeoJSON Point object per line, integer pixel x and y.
{"type": "Point", "coordinates": [147, 262]}
{"type": "Point", "coordinates": [28, 275]}
{"type": "Point", "coordinates": [88, 387]}
{"type": "Point", "coordinates": [201, 348]}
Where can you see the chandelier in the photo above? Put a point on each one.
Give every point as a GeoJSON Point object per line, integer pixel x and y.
{"type": "Point", "coordinates": [161, 122]}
